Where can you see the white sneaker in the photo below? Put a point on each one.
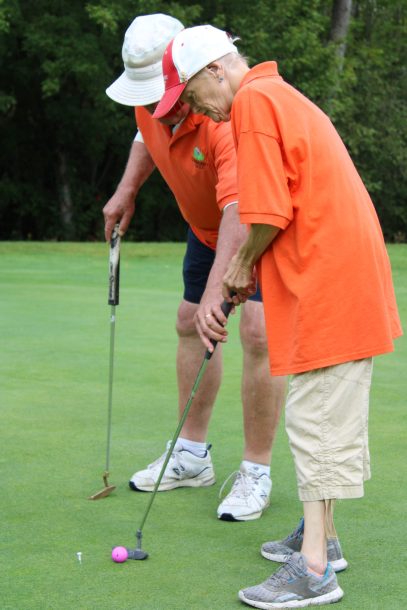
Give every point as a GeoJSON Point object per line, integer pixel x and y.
{"type": "Point", "coordinates": [184, 469]}
{"type": "Point", "coordinates": [249, 497]}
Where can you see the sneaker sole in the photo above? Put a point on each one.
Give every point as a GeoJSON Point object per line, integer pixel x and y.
{"type": "Point", "coordinates": [339, 565]}
{"type": "Point", "coordinates": [230, 517]}
{"type": "Point", "coordinates": [329, 598]}
{"type": "Point", "coordinates": [173, 484]}
{"type": "Point", "coordinates": [251, 517]}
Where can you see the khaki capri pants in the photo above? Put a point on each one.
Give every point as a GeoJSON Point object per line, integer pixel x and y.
{"type": "Point", "coordinates": [327, 425]}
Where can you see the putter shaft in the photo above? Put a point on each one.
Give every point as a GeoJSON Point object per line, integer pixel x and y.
{"type": "Point", "coordinates": [138, 553]}
{"type": "Point", "coordinates": [110, 394]}
{"type": "Point", "coordinates": [113, 300]}
{"type": "Point", "coordinates": [175, 438]}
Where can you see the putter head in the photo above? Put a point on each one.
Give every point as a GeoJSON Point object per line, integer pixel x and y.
{"type": "Point", "coordinates": [103, 492]}
{"type": "Point", "coordinates": [137, 554]}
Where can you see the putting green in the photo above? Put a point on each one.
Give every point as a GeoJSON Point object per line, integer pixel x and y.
{"type": "Point", "coordinates": [54, 373]}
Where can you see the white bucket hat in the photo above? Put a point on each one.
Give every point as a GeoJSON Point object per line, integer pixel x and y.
{"type": "Point", "coordinates": [144, 44]}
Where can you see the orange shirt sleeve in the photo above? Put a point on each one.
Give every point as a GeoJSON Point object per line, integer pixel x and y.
{"type": "Point", "coordinates": [264, 195]}
{"type": "Point", "coordinates": [224, 161]}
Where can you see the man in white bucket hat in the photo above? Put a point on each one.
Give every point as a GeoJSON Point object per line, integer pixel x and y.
{"type": "Point", "coordinates": [196, 158]}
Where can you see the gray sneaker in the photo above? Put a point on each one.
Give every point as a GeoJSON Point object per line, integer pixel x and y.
{"type": "Point", "coordinates": [282, 550]}
{"type": "Point", "coordinates": [292, 586]}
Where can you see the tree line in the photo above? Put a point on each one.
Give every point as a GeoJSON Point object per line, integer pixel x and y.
{"type": "Point", "coordinates": [65, 143]}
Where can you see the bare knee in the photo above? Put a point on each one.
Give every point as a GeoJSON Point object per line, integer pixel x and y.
{"type": "Point", "coordinates": [253, 329]}
{"type": "Point", "coordinates": [185, 325]}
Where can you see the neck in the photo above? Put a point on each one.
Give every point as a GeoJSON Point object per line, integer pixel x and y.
{"type": "Point", "coordinates": [239, 72]}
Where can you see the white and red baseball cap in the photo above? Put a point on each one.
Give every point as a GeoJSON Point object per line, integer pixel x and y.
{"type": "Point", "coordinates": [191, 50]}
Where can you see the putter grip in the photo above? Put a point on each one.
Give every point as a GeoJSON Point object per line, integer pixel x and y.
{"type": "Point", "coordinates": [114, 267]}
{"type": "Point", "coordinates": [226, 308]}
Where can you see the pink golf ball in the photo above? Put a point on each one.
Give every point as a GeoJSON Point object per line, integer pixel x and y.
{"type": "Point", "coordinates": [119, 554]}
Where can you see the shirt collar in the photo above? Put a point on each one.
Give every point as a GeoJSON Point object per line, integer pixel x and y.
{"type": "Point", "coordinates": [267, 68]}
{"type": "Point", "coordinates": [189, 123]}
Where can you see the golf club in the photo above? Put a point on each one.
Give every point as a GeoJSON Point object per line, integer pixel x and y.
{"type": "Point", "coordinates": [113, 300]}
{"type": "Point", "coordinates": [138, 553]}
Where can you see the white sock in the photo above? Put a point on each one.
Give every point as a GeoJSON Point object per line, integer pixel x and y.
{"type": "Point", "coordinates": [258, 468]}
{"type": "Point", "coordinates": [198, 449]}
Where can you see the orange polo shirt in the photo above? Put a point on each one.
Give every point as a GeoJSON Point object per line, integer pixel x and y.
{"type": "Point", "coordinates": [198, 162]}
{"type": "Point", "coordinates": [326, 278]}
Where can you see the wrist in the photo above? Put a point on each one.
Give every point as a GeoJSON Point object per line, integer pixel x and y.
{"type": "Point", "coordinates": [212, 291]}
{"type": "Point", "coordinates": [129, 190]}
{"type": "Point", "coordinates": [246, 258]}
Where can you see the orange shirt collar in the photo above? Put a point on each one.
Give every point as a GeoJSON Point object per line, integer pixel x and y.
{"type": "Point", "coordinates": [191, 121]}
{"type": "Point", "coordinates": [267, 68]}
{"type": "Point", "coordinates": [189, 124]}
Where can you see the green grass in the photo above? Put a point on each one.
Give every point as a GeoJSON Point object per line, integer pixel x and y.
{"type": "Point", "coordinates": [54, 372]}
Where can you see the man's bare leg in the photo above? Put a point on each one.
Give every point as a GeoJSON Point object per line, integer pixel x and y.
{"type": "Point", "coordinates": [190, 356]}
{"type": "Point", "coordinates": [314, 543]}
{"type": "Point", "coordinates": [190, 465]}
{"type": "Point", "coordinates": [262, 395]}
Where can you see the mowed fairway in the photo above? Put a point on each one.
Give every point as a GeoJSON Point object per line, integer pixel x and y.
{"type": "Point", "coordinates": [53, 397]}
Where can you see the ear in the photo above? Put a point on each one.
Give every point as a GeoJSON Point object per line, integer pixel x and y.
{"type": "Point", "coordinates": [216, 69]}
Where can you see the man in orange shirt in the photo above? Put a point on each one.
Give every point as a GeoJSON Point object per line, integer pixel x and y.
{"type": "Point", "coordinates": [326, 282]}
{"type": "Point", "coordinates": [197, 159]}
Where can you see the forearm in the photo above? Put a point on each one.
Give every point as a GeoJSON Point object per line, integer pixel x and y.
{"type": "Point", "coordinates": [139, 167]}
{"type": "Point", "coordinates": [209, 319]}
{"type": "Point", "coordinates": [258, 240]}
{"type": "Point", "coordinates": [120, 207]}
{"type": "Point", "coordinates": [232, 235]}
{"type": "Point", "coordinates": [240, 276]}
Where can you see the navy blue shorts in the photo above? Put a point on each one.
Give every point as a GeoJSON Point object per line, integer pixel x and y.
{"type": "Point", "coordinates": [198, 261]}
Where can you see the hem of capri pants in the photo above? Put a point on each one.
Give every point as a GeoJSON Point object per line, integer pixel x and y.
{"type": "Point", "coordinates": [341, 492]}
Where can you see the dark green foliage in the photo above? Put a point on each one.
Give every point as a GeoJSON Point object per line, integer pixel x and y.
{"type": "Point", "coordinates": [65, 143]}
{"type": "Point", "coordinates": [372, 113]}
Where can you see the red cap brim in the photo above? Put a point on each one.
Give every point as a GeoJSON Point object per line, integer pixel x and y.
{"type": "Point", "coordinates": [169, 99]}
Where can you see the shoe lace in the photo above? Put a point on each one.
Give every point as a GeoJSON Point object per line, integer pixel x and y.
{"type": "Point", "coordinates": [286, 573]}
{"type": "Point", "coordinates": [242, 486]}
{"type": "Point", "coordinates": [159, 461]}
{"type": "Point", "coordinates": [174, 457]}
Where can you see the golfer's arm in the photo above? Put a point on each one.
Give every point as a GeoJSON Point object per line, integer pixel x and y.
{"type": "Point", "coordinates": [139, 167]}
{"type": "Point", "coordinates": [231, 235]}
{"type": "Point", "coordinates": [120, 207]}
{"type": "Point", "coordinates": [258, 240]}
